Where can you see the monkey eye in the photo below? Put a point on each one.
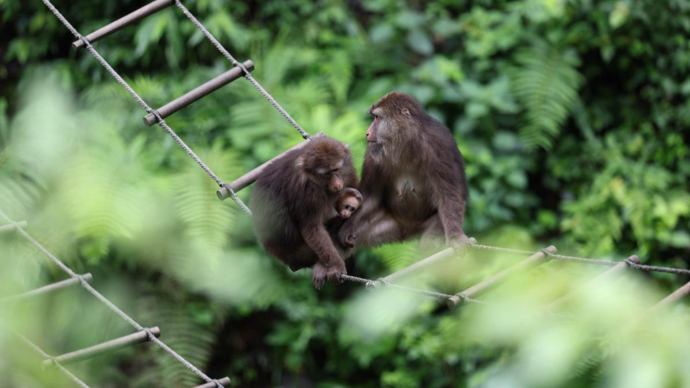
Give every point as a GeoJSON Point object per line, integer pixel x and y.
{"type": "Point", "coordinates": [335, 170]}
{"type": "Point", "coordinates": [348, 208]}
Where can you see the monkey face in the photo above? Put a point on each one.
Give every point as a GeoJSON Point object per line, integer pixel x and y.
{"type": "Point", "coordinates": [322, 164]}
{"type": "Point", "coordinates": [378, 127]}
{"type": "Point", "coordinates": [350, 201]}
{"type": "Point", "coordinates": [393, 121]}
{"type": "Point", "coordinates": [371, 132]}
{"type": "Point", "coordinates": [331, 176]}
{"type": "Point", "coordinates": [327, 175]}
{"type": "Point", "coordinates": [349, 206]}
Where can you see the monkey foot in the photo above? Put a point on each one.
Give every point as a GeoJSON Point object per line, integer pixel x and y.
{"type": "Point", "coordinates": [318, 276]}
{"type": "Point", "coordinates": [459, 242]}
{"type": "Point", "coordinates": [349, 240]}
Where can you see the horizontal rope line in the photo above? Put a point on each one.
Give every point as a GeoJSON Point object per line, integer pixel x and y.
{"type": "Point", "coordinates": [607, 263]}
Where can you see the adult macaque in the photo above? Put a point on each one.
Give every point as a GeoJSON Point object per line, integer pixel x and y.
{"type": "Point", "coordinates": [413, 179]}
{"type": "Point", "coordinates": [291, 200]}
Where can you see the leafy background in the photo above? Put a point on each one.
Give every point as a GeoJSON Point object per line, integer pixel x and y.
{"type": "Point", "coordinates": [572, 117]}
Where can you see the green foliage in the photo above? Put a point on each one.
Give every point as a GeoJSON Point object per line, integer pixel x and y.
{"type": "Point", "coordinates": [546, 84]}
{"type": "Point", "coordinates": [572, 117]}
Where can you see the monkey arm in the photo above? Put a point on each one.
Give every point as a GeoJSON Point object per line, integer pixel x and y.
{"type": "Point", "coordinates": [450, 197]}
{"type": "Point", "coordinates": [318, 239]}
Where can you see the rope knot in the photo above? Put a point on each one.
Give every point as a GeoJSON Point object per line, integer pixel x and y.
{"type": "Point", "coordinates": [456, 300]}
{"type": "Point", "coordinates": [82, 281]}
{"type": "Point", "coordinates": [148, 332]}
{"type": "Point", "coordinates": [546, 252]}
{"type": "Point", "coordinates": [53, 362]}
{"type": "Point", "coordinates": [87, 44]}
{"type": "Point", "coordinates": [217, 383]}
{"type": "Point", "coordinates": [464, 298]}
{"type": "Point", "coordinates": [242, 67]}
{"type": "Point", "coordinates": [158, 116]}
{"type": "Point", "coordinates": [377, 283]}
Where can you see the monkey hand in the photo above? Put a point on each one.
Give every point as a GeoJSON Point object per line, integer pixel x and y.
{"type": "Point", "coordinates": [347, 238]}
{"type": "Point", "coordinates": [333, 273]}
{"type": "Point", "coordinates": [319, 275]}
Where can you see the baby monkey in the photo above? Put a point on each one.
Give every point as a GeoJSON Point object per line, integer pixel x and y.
{"type": "Point", "coordinates": [345, 204]}
{"type": "Point", "coordinates": [348, 202]}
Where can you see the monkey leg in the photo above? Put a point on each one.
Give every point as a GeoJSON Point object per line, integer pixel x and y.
{"type": "Point", "coordinates": [380, 228]}
{"type": "Point", "coordinates": [319, 275]}
{"type": "Point", "coordinates": [432, 233]}
{"type": "Point", "coordinates": [302, 257]}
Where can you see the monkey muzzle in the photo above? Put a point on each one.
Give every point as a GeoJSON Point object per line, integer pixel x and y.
{"type": "Point", "coordinates": [335, 185]}
{"type": "Point", "coordinates": [371, 132]}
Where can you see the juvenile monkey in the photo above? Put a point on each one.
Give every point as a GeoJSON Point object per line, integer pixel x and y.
{"type": "Point", "coordinates": [291, 200]}
{"type": "Point", "coordinates": [347, 203]}
{"type": "Point", "coordinates": [350, 200]}
{"type": "Point", "coordinates": [413, 179]}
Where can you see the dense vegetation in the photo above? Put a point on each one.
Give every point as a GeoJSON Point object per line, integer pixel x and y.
{"type": "Point", "coordinates": [572, 117]}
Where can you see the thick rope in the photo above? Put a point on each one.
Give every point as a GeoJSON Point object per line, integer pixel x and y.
{"type": "Point", "coordinates": [144, 105]}
{"type": "Point", "coordinates": [247, 75]}
{"type": "Point", "coordinates": [46, 356]}
{"type": "Point", "coordinates": [107, 302]}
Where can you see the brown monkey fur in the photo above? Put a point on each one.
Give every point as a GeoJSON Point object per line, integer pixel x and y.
{"type": "Point", "coordinates": [413, 179]}
{"type": "Point", "coordinates": [291, 200]}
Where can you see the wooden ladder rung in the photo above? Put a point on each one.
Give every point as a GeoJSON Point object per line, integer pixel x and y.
{"type": "Point", "coordinates": [608, 275]}
{"type": "Point", "coordinates": [490, 283]}
{"type": "Point", "coordinates": [198, 93]}
{"type": "Point", "coordinates": [680, 293]}
{"type": "Point", "coordinates": [124, 21]}
{"type": "Point", "coordinates": [250, 177]}
{"type": "Point", "coordinates": [103, 347]}
{"type": "Point", "coordinates": [45, 289]}
{"type": "Point", "coordinates": [10, 227]}
{"type": "Point", "coordinates": [410, 269]}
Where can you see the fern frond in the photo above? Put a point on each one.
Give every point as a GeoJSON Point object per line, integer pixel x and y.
{"type": "Point", "coordinates": [399, 256]}
{"type": "Point", "coordinates": [184, 334]}
{"type": "Point", "coordinates": [546, 83]}
{"type": "Point", "coordinates": [204, 216]}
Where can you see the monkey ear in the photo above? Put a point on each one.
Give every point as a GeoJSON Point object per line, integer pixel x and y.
{"type": "Point", "coordinates": [405, 111]}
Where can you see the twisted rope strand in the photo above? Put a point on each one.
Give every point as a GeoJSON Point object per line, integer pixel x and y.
{"type": "Point", "coordinates": [46, 356]}
{"type": "Point", "coordinates": [607, 263]}
{"type": "Point", "coordinates": [247, 75]}
{"type": "Point", "coordinates": [144, 105]}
